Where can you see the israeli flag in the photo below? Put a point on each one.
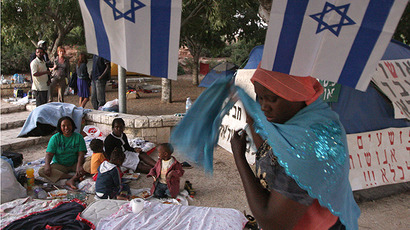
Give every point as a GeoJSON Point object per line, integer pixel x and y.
{"type": "Point", "coordinates": [140, 35]}
{"type": "Point", "coordinates": [336, 40]}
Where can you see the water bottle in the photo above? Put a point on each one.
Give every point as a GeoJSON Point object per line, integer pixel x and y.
{"type": "Point", "coordinates": [40, 193]}
{"type": "Point", "coordinates": [188, 104]}
{"type": "Point", "coordinates": [30, 178]}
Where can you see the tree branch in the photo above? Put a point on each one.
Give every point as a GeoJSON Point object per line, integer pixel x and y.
{"type": "Point", "coordinates": [193, 13]}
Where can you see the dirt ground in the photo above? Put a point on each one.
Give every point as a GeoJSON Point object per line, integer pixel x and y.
{"type": "Point", "coordinates": [150, 103]}
{"type": "Point", "coordinates": [224, 187]}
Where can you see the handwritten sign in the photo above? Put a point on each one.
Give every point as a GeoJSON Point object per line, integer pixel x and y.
{"type": "Point", "coordinates": [379, 158]}
{"type": "Point", "coordinates": [393, 79]}
{"type": "Point", "coordinates": [236, 118]}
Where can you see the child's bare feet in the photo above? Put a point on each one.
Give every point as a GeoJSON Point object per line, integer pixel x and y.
{"type": "Point", "coordinates": [71, 183]}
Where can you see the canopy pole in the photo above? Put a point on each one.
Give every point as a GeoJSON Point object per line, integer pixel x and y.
{"type": "Point", "coordinates": [122, 89]}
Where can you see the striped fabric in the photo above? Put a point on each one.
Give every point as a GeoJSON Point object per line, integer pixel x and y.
{"type": "Point", "coordinates": [140, 35]}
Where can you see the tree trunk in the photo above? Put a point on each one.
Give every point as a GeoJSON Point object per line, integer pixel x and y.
{"type": "Point", "coordinates": [195, 70]}
{"type": "Point", "coordinates": [166, 94]}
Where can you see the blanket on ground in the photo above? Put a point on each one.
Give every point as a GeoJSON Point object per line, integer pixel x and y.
{"type": "Point", "coordinates": [64, 215]}
{"type": "Point", "coordinates": [48, 114]}
{"type": "Point", "coordinates": [168, 216]}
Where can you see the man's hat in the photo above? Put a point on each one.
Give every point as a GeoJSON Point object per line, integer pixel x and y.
{"type": "Point", "coordinates": [41, 43]}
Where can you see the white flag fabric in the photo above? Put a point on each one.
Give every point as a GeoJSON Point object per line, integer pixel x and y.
{"type": "Point", "coordinates": [336, 40]}
{"type": "Point", "coordinates": [140, 35]}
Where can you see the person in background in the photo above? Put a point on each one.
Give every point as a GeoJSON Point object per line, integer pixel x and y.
{"type": "Point", "coordinates": [83, 80]}
{"type": "Point", "coordinates": [99, 76]}
{"type": "Point", "coordinates": [136, 159]}
{"type": "Point", "coordinates": [301, 146]}
{"type": "Point", "coordinates": [60, 74]}
{"type": "Point", "coordinates": [65, 153]}
{"type": "Point", "coordinates": [166, 173]}
{"type": "Point", "coordinates": [39, 74]}
{"type": "Point", "coordinates": [108, 183]}
{"type": "Point", "coordinates": [42, 44]}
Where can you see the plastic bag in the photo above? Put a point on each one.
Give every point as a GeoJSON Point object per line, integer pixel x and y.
{"type": "Point", "coordinates": [111, 106]}
{"type": "Point", "coordinates": [10, 188]}
{"type": "Point", "coordinates": [92, 131]}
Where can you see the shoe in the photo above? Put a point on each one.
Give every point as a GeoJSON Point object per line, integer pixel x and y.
{"type": "Point", "coordinates": [186, 165]}
{"type": "Point", "coordinates": [251, 224]}
{"type": "Point", "coordinates": [188, 187]}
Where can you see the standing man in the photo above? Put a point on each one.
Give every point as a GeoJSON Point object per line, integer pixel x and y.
{"type": "Point", "coordinates": [99, 76]}
{"type": "Point", "coordinates": [42, 44]}
{"type": "Point", "coordinates": [39, 74]}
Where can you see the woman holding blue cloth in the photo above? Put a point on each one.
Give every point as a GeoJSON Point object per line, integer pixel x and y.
{"type": "Point", "coordinates": [302, 165]}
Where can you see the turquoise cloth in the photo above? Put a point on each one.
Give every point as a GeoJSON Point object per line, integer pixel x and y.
{"type": "Point", "coordinates": [311, 146]}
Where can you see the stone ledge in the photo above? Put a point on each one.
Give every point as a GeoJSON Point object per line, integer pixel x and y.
{"type": "Point", "coordinates": [14, 109]}
{"type": "Point", "coordinates": [11, 86]}
{"type": "Point", "coordinates": [133, 121]}
{"type": "Point", "coordinates": [151, 128]}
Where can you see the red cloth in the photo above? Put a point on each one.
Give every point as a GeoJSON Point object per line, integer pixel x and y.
{"type": "Point", "coordinates": [175, 172]}
{"type": "Point", "coordinates": [203, 68]}
{"type": "Point", "coordinates": [316, 217]}
{"type": "Point", "coordinates": [291, 88]}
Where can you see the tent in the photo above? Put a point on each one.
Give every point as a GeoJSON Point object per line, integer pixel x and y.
{"type": "Point", "coordinates": [225, 69]}
{"type": "Point", "coordinates": [360, 111]}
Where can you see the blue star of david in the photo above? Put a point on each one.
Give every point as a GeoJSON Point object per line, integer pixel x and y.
{"type": "Point", "coordinates": [129, 14]}
{"type": "Point", "coordinates": [335, 28]}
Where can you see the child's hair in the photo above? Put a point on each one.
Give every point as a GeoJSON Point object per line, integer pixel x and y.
{"type": "Point", "coordinates": [167, 147]}
{"type": "Point", "coordinates": [117, 156]}
{"type": "Point", "coordinates": [118, 120]}
{"type": "Point", "coordinates": [97, 145]}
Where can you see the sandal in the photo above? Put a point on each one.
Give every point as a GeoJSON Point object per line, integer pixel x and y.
{"type": "Point", "coordinates": [186, 165]}
{"type": "Point", "coordinates": [251, 224]}
{"type": "Point", "coordinates": [188, 187]}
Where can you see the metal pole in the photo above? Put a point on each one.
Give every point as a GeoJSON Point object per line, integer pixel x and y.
{"type": "Point", "coordinates": [122, 89]}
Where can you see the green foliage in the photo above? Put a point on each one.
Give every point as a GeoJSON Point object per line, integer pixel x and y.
{"type": "Point", "coordinates": [75, 37]}
{"type": "Point", "coordinates": [207, 26]}
{"type": "Point", "coordinates": [213, 63]}
{"type": "Point", "coordinates": [241, 50]}
{"type": "Point", "coordinates": [15, 58]}
{"type": "Point", "coordinates": [181, 70]}
{"type": "Point", "coordinates": [25, 22]}
{"type": "Point", "coordinates": [402, 32]}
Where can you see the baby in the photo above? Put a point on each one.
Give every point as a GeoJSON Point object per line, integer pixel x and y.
{"type": "Point", "coordinates": [166, 173]}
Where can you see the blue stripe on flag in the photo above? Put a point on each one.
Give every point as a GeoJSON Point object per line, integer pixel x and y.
{"type": "Point", "coordinates": [289, 35]}
{"type": "Point", "coordinates": [366, 38]}
{"type": "Point", "coordinates": [103, 45]}
{"type": "Point", "coordinates": [160, 32]}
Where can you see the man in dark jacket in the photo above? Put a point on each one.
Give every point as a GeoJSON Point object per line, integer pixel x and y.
{"type": "Point", "coordinates": [99, 77]}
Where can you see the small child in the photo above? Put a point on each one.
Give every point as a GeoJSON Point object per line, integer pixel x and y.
{"type": "Point", "coordinates": [108, 184]}
{"type": "Point", "coordinates": [166, 173]}
{"type": "Point", "coordinates": [98, 157]}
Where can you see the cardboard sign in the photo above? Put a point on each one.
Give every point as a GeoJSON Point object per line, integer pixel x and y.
{"type": "Point", "coordinates": [379, 157]}
{"type": "Point", "coordinates": [393, 79]}
{"type": "Point", "coordinates": [236, 118]}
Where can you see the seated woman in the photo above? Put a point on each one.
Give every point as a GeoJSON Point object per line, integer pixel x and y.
{"type": "Point", "coordinates": [133, 156]}
{"type": "Point", "coordinates": [65, 153]}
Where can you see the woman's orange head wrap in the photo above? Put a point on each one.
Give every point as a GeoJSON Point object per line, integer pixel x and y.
{"type": "Point", "coordinates": [289, 87]}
